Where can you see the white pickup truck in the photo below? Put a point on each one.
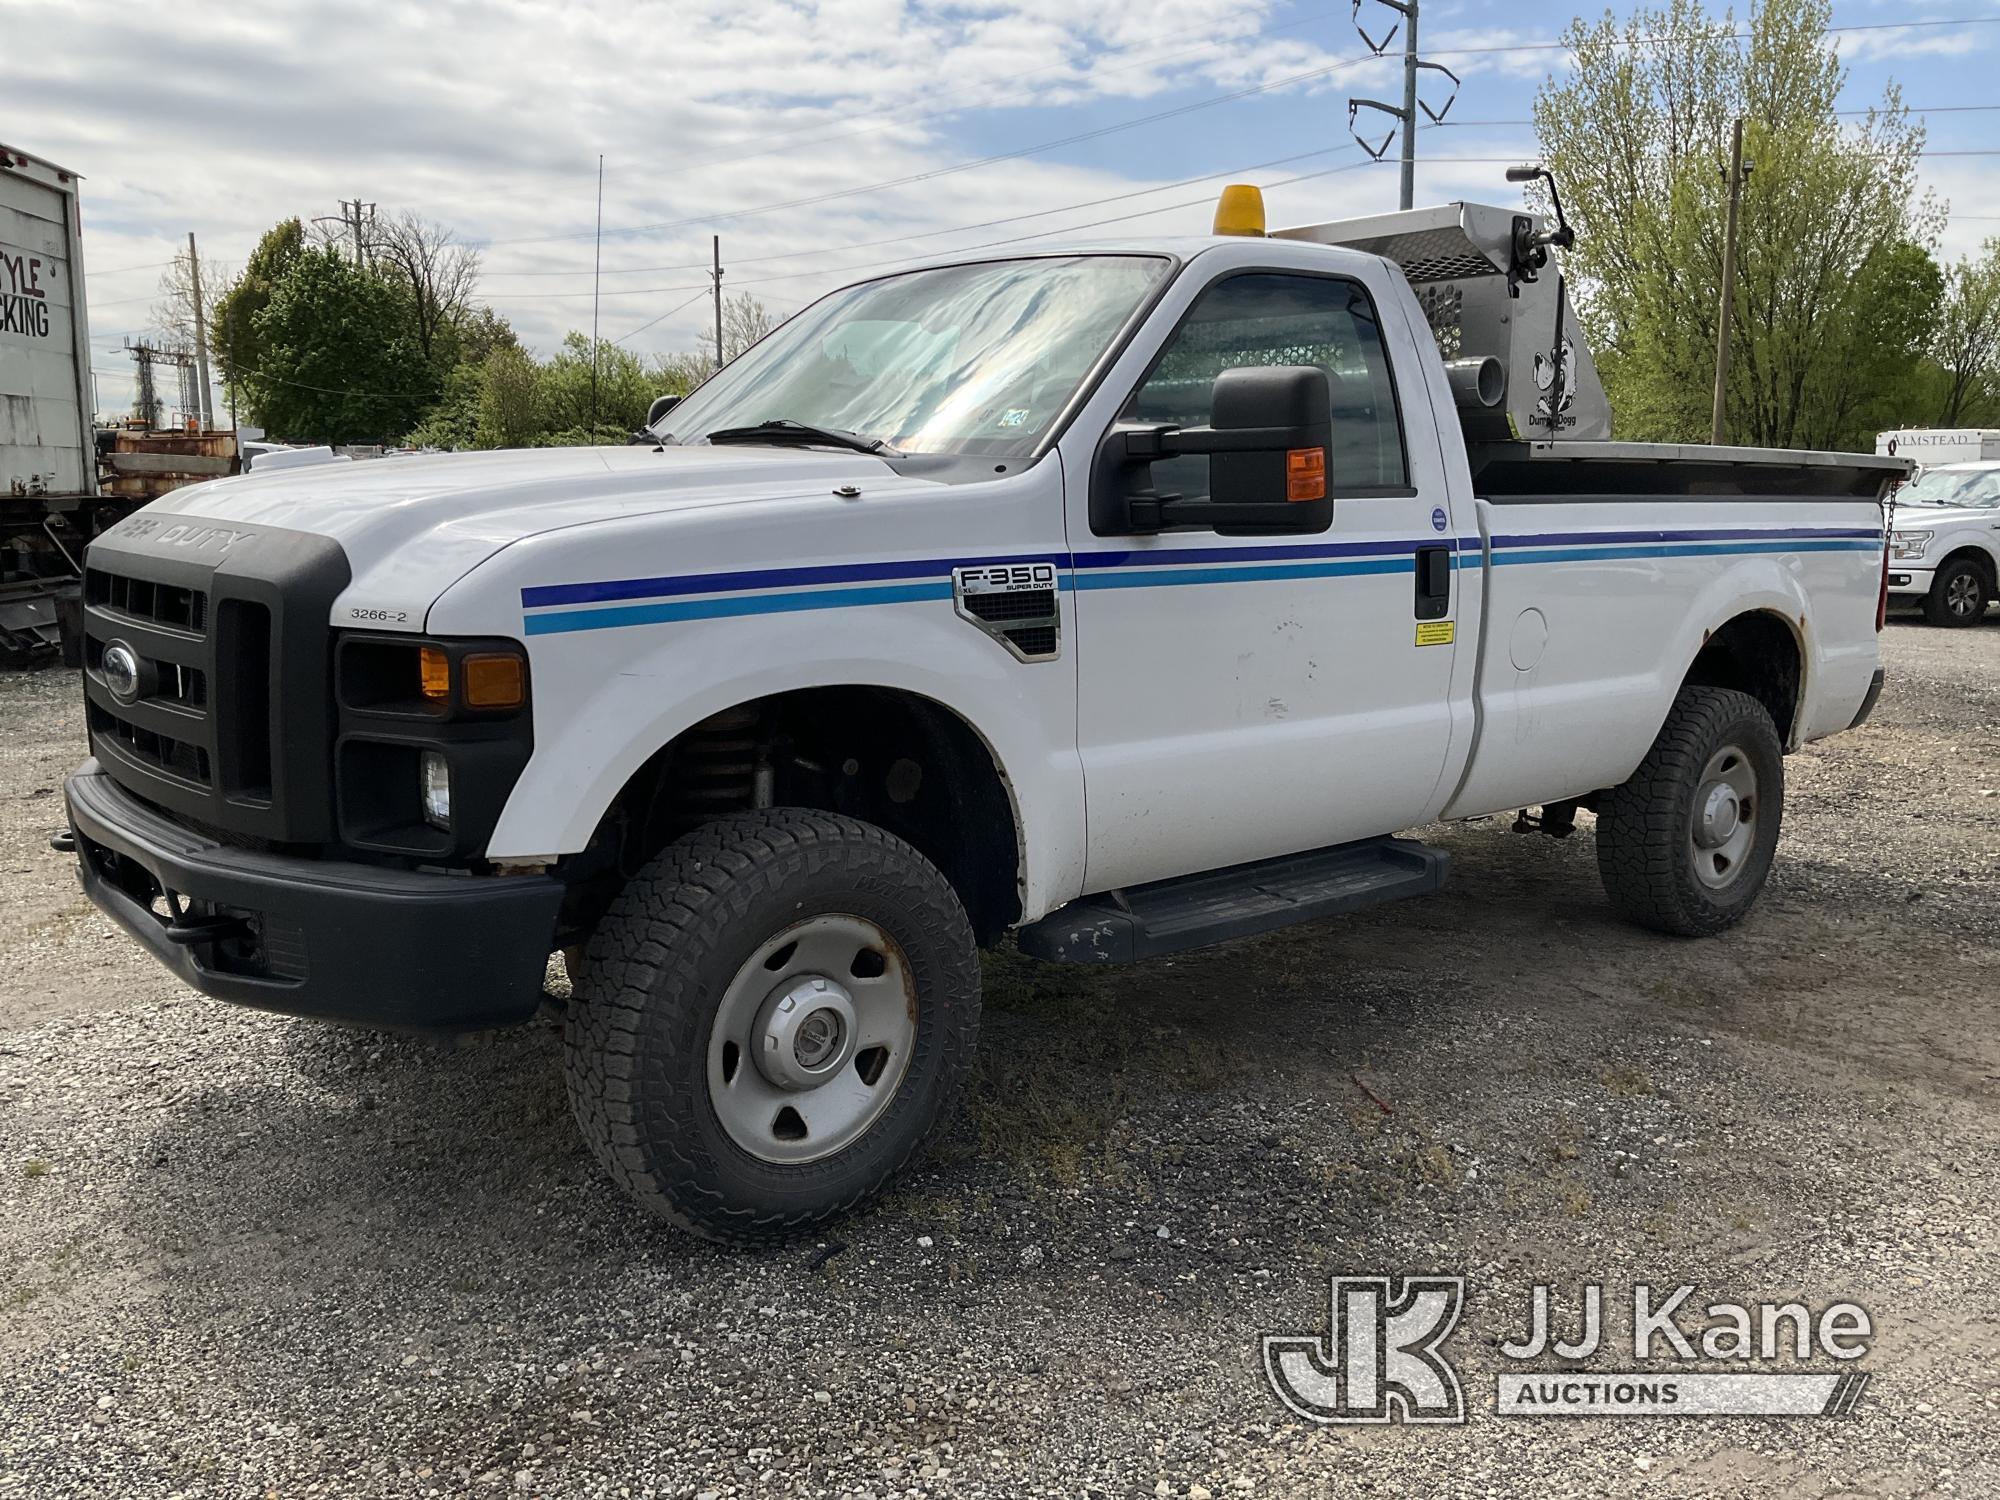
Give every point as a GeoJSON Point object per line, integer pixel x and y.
{"type": "Point", "coordinates": [1124, 598]}
{"type": "Point", "coordinates": [1945, 551]}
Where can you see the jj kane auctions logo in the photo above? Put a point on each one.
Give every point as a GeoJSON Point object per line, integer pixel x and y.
{"type": "Point", "coordinates": [1382, 1358]}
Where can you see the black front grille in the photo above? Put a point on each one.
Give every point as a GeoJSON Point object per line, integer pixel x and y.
{"type": "Point", "coordinates": [229, 726]}
{"type": "Point", "coordinates": [184, 759]}
{"type": "Point", "coordinates": [145, 599]}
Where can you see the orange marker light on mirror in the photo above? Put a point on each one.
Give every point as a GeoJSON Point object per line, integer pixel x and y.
{"type": "Point", "coordinates": [1305, 474]}
{"type": "Point", "coordinates": [434, 671]}
{"type": "Point", "coordinates": [494, 682]}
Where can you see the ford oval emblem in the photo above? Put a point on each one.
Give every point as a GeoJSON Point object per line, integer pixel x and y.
{"type": "Point", "coordinates": [120, 667]}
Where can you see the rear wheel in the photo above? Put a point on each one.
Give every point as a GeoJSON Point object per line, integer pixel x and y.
{"type": "Point", "coordinates": [771, 1019]}
{"type": "Point", "coordinates": [1958, 595]}
{"type": "Point", "coordinates": [1685, 844]}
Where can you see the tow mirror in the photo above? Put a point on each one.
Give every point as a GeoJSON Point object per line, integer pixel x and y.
{"type": "Point", "coordinates": [1269, 437]}
{"type": "Point", "coordinates": [660, 407]}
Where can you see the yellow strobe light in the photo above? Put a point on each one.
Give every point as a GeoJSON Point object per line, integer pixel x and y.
{"type": "Point", "coordinates": [1240, 210]}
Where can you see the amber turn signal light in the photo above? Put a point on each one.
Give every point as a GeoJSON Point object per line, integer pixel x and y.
{"type": "Point", "coordinates": [434, 670]}
{"type": "Point", "coordinates": [1305, 474]}
{"type": "Point", "coordinates": [493, 681]}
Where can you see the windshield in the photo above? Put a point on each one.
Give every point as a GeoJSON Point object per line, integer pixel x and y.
{"type": "Point", "coordinates": [976, 359]}
{"type": "Point", "coordinates": [1973, 487]}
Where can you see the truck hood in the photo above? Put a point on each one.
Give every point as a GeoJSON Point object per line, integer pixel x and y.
{"type": "Point", "coordinates": [414, 526]}
{"type": "Point", "coordinates": [1937, 517]}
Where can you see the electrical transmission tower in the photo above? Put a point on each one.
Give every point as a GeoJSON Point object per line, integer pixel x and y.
{"type": "Point", "coordinates": [147, 404]}
{"type": "Point", "coordinates": [1406, 114]}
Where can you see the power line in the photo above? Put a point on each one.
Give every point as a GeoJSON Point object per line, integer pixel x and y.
{"type": "Point", "coordinates": [680, 307]}
{"type": "Point", "coordinates": [896, 117]}
{"type": "Point", "coordinates": [151, 265]}
{"type": "Point", "coordinates": [901, 238]}
{"type": "Point", "coordinates": [898, 239]}
{"type": "Point", "coordinates": [1066, 229]}
{"type": "Point", "coordinates": [1200, 104]}
{"type": "Point", "coordinates": [966, 166]}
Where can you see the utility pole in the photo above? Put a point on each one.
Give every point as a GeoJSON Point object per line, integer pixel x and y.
{"type": "Point", "coordinates": [717, 273]}
{"type": "Point", "coordinates": [1737, 173]}
{"type": "Point", "coordinates": [1406, 116]}
{"type": "Point", "coordinates": [353, 213]}
{"type": "Point", "coordinates": [200, 339]}
{"type": "Point", "coordinates": [596, 272]}
{"type": "Point", "coordinates": [1409, 184]}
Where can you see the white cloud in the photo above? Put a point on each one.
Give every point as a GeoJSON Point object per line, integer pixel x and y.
{"type": "Point", "coordinates": [489, 117]}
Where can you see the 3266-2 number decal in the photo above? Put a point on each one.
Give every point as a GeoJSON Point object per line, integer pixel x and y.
{"type": "Point", "coordinates": [381, 616]}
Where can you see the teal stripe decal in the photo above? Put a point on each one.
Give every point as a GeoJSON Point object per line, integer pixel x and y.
{"type": "Point", "coordinates": [1148, 578]}
{"type": "Point", "coordinates": [720, 609]}
{"type": "Point", "coordinates": [659, 612]}
{"type": "Point", "coordinates": [1688, 549]}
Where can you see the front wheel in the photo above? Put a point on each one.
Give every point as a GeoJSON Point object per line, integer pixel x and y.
{"type": "Point", "coordinates": [1958, 594]}
{"type": "Point", "coordinates": [773, 1016]}
{"type": "Point", "coordinates": [1685, 844]}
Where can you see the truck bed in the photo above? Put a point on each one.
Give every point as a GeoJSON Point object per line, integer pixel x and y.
{"type": "Point", "coordinates": [1542, 471]}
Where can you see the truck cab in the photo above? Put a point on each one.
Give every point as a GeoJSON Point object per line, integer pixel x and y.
{"type": "Point", "coordinates": [1119, 597]}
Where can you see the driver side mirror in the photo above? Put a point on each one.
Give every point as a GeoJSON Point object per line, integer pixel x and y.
{"type": "Point", "coordinates": [660, 407]}
{"type": "Point", "coordinates": [1268, 442]}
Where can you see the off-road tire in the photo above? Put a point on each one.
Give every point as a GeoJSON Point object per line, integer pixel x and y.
{"type": "Point", "coordinates": [1643, 826]}
{"type": "Point", "coordinates": [1948, 584]}
{"type": "Point", "coordinates": [636, 1033]}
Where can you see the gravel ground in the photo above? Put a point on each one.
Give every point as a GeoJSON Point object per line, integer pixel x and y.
{"type": "Point", "coordinates": [241, 1255]}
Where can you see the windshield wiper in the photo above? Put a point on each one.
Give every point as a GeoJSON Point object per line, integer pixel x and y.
{"type": "Point", "coordinates": [784, 430]}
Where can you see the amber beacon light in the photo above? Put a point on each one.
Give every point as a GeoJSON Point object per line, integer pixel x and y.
{"type": "Point", "coordinates": [1240, 210]}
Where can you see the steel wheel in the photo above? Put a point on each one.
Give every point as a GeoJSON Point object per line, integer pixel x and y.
{"type": "Point", "coordinates": [812, 1039]}
{"type": "Point", "coordinates": [1723, 829]}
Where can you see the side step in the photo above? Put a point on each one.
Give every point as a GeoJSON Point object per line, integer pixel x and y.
{"type": "Point", "coordinates": [1195, 910]}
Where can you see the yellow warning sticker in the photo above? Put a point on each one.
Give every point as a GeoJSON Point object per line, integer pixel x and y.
{"type": "Point", "coordinates": [1434, 632]}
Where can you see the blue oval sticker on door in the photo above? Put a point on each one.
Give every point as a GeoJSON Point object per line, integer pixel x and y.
{"type": "Point", "coordinates": [1437, 518]}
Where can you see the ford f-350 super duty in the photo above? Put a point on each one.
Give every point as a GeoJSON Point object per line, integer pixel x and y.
{"type": "Point", "coordinates": [1123, 598]}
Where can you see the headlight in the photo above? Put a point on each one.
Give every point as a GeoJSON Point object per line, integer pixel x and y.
{"type": "Point", "coordinates": [434, 786]}
{"type": "Point", "coordinates": [1908, 544]}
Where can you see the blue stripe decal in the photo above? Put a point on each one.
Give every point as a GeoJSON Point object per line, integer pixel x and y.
{"type": "Point", "coordinates": [1759, 534]}
{"type": "Point", "coordinates": [761, 578]}
{"type": "Point", "coordinates": [1146, 578]}
{"type": "Point", "coordinates": [1698, 549]}
{"type": "Point", "coordinates": [742, 604]}
{"type": "Point", "coordinates": [1189, 556]}
{"type": "Point", "coordinates": [870, 583]}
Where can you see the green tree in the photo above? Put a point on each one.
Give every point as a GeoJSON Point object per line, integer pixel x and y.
{"type": "Point", "coordinates": [454, 421]}
{"type": "Point", "coordinates": [1833, 231]}
{"type": "Point", "coordinates": [1966, 344]}
{"type": "Point", "coordinates": [617, 406]}
{"type": "Point", "coordinates": [338, 362]}
{"type": "Point", "coordinates": [510, 400]}
{"type": "Point", "coordinates": [233, 335]}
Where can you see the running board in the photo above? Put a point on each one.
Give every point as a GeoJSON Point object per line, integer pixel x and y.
{"type": "Point", "coordinates": [1195, 910]}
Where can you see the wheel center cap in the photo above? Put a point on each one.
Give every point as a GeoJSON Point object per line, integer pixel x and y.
{"type": "Point", "coordinates": [806, 1032]}
{"type": "Point", "coordinates": [1720, 813]}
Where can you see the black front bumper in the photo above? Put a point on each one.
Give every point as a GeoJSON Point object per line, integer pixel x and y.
{"type": "Point", "coordinates": [364, 944]}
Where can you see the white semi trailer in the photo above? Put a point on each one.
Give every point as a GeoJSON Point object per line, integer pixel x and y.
{"type": "Point", "coordinates": [48, 464]}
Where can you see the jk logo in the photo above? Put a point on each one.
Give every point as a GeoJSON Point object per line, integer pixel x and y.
{"type": "Point", "coordinates": [1380, 1360]}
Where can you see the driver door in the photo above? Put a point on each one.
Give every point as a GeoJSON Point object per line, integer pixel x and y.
{"type": "Point", "coordinates": [1245, 697]}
